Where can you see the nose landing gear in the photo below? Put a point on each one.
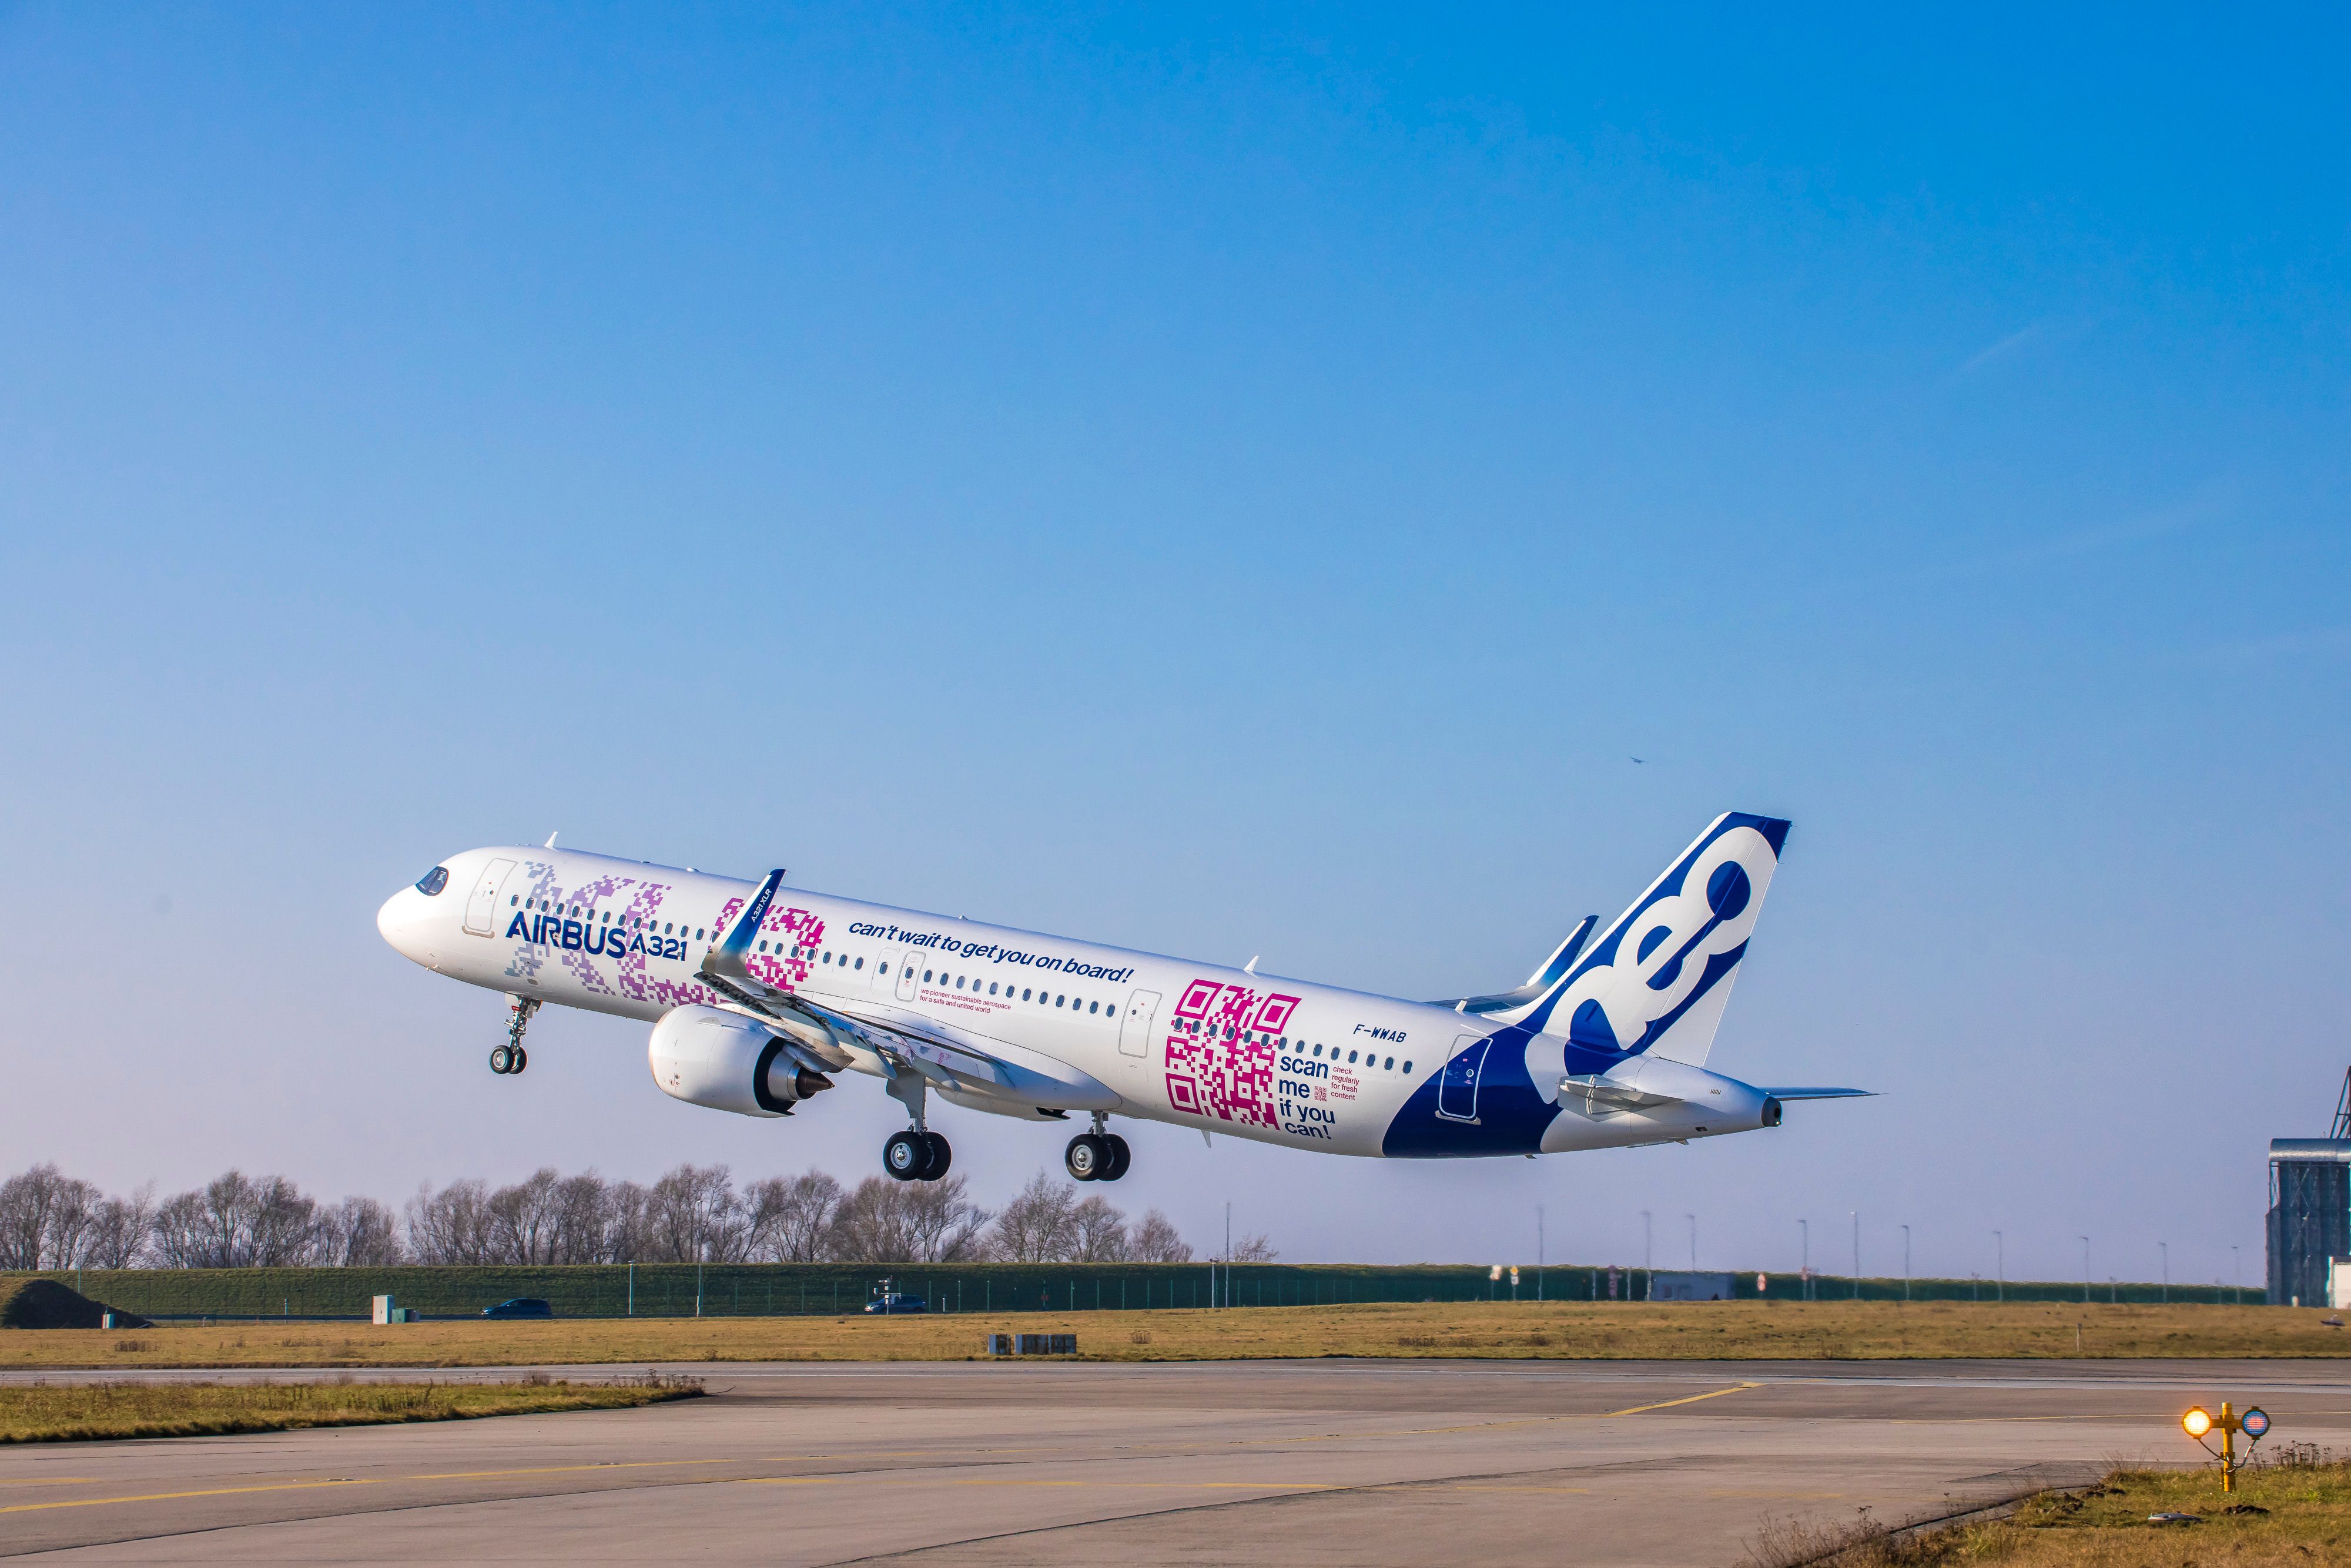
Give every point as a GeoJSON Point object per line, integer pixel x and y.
{"type": "Point", "coordinates": [511, 1057]}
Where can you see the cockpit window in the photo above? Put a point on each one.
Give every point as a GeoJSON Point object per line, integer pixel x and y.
{"type": "Point", "coordinates": [432, 881]}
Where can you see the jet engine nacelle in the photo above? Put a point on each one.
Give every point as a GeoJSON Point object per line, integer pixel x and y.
{"type": "Point", "coordinates": [708, 1056]}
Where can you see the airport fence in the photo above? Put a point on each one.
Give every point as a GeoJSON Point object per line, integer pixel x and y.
{"type": "Point", "coordinates": [772, 1290]}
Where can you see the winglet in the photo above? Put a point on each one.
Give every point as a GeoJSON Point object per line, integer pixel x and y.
{"type": "Point", "coordinates": [729, 957]}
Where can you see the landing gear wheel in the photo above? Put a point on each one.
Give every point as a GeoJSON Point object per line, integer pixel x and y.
{"type": "Point", "coordinates": [905, 1156]}
{"type": "Point", "coordinates": [1120, 1156]}
{"type": "Point", "coordinates": [1088, 1157]}
{"type": "Point", "coordinates": [941, 1156]}
{"type": "Point", "coordinates": [502, 1059]}
{"type": "Point", "coordinates": [522, 1059]}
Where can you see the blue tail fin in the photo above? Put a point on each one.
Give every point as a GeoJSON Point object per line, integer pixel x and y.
{"type": "Point", "coordinates": [1658, 979]}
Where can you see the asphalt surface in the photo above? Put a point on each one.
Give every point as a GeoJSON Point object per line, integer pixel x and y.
{"type": "Point", "coordinates": [1354, 1462]}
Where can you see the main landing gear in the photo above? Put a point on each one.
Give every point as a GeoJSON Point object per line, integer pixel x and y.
{"type": "Point", "coordinates": [916, 1156]}
{"type": "Point", "coordinates": [917, 1153]}
{"type": "Point", "coordinates": [511, 1057]}
{"type": "Point", "coordinates": [1098, 1156]}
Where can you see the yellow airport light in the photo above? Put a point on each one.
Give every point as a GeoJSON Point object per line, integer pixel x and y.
{"type": "Point", "coordinates": [2254, 1423]}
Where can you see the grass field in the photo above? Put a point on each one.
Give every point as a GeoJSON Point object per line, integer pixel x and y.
{"type": "Point", "coordinates": [2297, 1514]}
{"type": "Point", "coordinates": [1728, 1331]}
{"type": "Point", "coordinates": [54, 1412]}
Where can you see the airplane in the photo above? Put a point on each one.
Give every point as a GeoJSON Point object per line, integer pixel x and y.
{"type": "Point", "coordinates": [760, 997]}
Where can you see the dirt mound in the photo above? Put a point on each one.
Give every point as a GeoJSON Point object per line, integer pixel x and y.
{"type": "Point", "coordinates": [47, 1304]}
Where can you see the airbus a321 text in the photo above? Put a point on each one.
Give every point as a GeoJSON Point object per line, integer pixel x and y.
{"type": "Point", "coordinates": [761, 997]}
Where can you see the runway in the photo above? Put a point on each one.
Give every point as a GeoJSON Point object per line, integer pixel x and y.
{"type": "Point", "coordinates": [1350, 1462]}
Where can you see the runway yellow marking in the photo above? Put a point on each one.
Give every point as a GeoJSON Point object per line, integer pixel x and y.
{"type": "Point", "coordinates": [175, 1496]}
{"type": "Point", "coordinates": [787, 1481]}
{"type": "Point", "coordinates": [569, 1470]}
{"type": "Point", "coordinates": [1669, 1404]}
{"type": "Point", "coordinates": [1175, 1486]}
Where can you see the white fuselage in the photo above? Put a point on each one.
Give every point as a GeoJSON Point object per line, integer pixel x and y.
{"type": "Point", "coordinates": [1102, 1029]}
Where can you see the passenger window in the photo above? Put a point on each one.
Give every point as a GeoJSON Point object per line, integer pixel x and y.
{"type": "Point", "coordinates": [927, 977]}
{"type": "Point", "coordinates": [1024, 996]}
{"type": "Point", "coordinates": [858, 965]}
{"type": "Point", "coordinates": [1318, 1051]}
{"type": "Point", "coordinates": [510, 903]}
{"type": "Point", "coordinates": [666, 927]}
{"type": "Point", "coordinates": [958, 982]}
{"type": "Point", "coordinates": [1407, 1067]}
{"type": "Point", "coordinates": [878, 968]}
{"type": "Point", "coordinates": [991, 988]}
{"type": "Point", "coordinates": [1058, 1000]}
{"type": "Point", "coordinates": [1350, 1056]}
{"type": "Point", "coordinates": [697, 934]}
{"type": "Point", "coordinates": [1389, 1066]}
{"type": "Point", "coordinates": [1093, 1007]}
{"type": "Point", "coordinates": [763, 946]}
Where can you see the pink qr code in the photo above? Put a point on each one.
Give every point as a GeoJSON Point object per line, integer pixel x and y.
{"type": "Point", "coordinates": [1221, 1051]}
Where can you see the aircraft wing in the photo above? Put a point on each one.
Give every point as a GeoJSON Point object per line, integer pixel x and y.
{"type": "Point", "coordinates": [837, 1038]}
{"type": "Point", "coordinates": [1822, 1094]}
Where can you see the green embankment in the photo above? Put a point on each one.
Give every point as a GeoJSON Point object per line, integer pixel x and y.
{"type": "Point", "coordinates": [679, 1289]}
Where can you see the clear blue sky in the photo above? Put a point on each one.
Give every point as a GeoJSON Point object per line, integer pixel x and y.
{"type": "Point", "coordinates": [1232, 483]}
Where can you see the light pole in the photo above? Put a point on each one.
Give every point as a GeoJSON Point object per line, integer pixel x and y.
{"type": "Point", "coordinates": [2085, 1266]}
{"type": "Point", "coordinates": [1906, 1262]}
{"type": "Point", "coordinates": [2236, 1276]}
{"type": "Point", "coordinates": [2000, 1260]}
{"type": "Point", "coordinates": [1693, 1220]}
{"type": "Point", "coordinates": [1856, 1254]}
{"type": "Point", "coordinates": [1539, 1251]}
{"type": "Point", "coordinates": [1805, 1277]}
{"type": "Point", "coordinates": [2165, 1248]}
{"type": "Point", "coordinates": [1229, 1254]}
{"type": "Point", "coordinates": [1649, 1258]}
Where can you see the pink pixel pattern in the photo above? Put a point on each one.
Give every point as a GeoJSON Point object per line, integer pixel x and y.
{"type": "Point", "coordinates": [1221, 1051]}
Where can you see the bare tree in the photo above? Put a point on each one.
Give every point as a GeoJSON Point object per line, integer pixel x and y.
{"type": "Point", "coordinates": [236, 1222]}
{"type": "Point", "coordinates": [1155, 1241]}
{"type": "Point", "coordinates": [696, 1214]}
{"type": "Point", "coordinates": [1253, 1249]}
{"type": "Point", "coordinates": [45, 1219]}
{"type": "Point", "coordinates": [885, 1222]}
{"type": "Point", "coordinates": [1098, 1233]}
{"type": "Point", "coordinates": [119, 1230]}
{"type": "Point", "coordinates": [284, 1227]}
{"type": "Point", "coordinates": [524, 1218]}
{"type": "Point", "coordinates": [359, 1233]}
{"type": "Point", "coordinates": [1039, 1225]}
{"type": "Point", "coordinates": [629, 1224]}
{"type": "Point", "coordinates": [583, 1220]}
{"type": "Point", "coordinates": [791, 1217]}
{"type": "Point", "coordinates": [452, 1226]}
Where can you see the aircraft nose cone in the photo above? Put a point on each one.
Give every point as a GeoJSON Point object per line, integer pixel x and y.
{"type": "Point", "coordinates": [402, 923]}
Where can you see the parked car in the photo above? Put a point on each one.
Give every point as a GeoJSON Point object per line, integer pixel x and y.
{"type": "Point", "coordinates": [520, 1307]}
{"type": "Point", "coordinates": [894, 1302]}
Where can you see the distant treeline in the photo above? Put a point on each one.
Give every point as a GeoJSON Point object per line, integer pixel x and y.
{"type": "Point", "coordinates": [50, 1221]}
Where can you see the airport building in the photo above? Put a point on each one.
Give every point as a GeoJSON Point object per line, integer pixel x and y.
{"type": "Point", "coordinates": [2310, 1214]}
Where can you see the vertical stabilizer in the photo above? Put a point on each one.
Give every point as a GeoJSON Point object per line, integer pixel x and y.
{"type": "Point", "coordinates": [1657, 981]}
